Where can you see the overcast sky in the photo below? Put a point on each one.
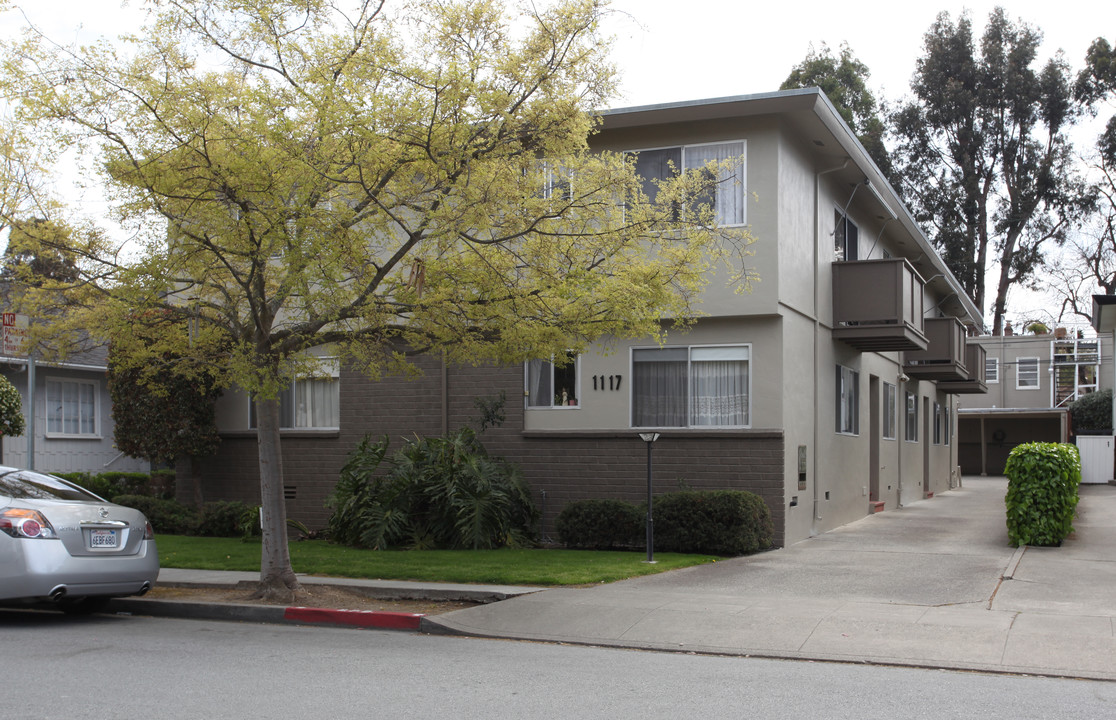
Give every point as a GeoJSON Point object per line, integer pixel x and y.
{"type": "Point", "coordinates": [674, 50]}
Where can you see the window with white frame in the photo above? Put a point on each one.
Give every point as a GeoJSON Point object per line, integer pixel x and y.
{"type": "Point", "coordinates": [699, 386]}
{"type": "Point", "coordinates": [71, 407]}
{"type": "Point", "coordinates": [549, 384]}
{"type": "Point", "coordinates": [727, 192]}
{"type": "Point", "coordinates": [1027, 374]}
{"type": "Point", "coordinates": [846, 237]}
{"type": "Point", "coordinates": [310, 403]}
{"type": "Point", "coordinates": [848, 401]}
{"type": "Point", "coordinates": [991, 370]}
{"type": "Point", "coordinates": [912, 418]}
{"type": "Point", "coordinates": [890, 408]}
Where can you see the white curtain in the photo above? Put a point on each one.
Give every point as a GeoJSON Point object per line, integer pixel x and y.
{"type": "Point", "coordinates": [317, 403]}
{"type": "Point", "coordinates": [540, 393]}
{"type": "Point", "coordinates": [728, 197]}
{"type": "Point", "coordinates": [659, 392]}
{"type": "Point", "coordinates": [720, 393]}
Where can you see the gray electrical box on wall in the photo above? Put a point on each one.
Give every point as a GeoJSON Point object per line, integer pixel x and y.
{"type": "Point", "coordinates": [801, 467]}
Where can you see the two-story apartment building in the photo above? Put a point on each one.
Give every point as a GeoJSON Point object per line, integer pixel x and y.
{"type": "Point", "coordinates": [830, 390]}
{"type": "Point", "coordinates": [1032, 380]}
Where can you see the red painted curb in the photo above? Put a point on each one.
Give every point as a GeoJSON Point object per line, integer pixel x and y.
{"type": "Point", "coordinates": [359, 618]}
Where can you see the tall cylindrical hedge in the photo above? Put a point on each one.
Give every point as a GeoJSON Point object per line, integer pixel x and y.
{"type": "Point", "coordinates": [1043, 480]}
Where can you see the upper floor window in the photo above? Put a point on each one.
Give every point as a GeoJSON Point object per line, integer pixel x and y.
{"type": "Point", "coordinates": [691, 386]}
{"type": "Point", "coordinates": [1027, 374]}
{"type": "Point", "coordinates": [848, 401]}
{"type": "Point", "coordinates": [846, 237]}
{"type": "Point", "coordinates": [71, 407]}
{"type": "Point", "coordinates": [991, 370]}
{"type": "Point", "coordinates": [310, 403]}
{"type": "Point", "coordinates": [550, 384]}
{"type": "Point", "coordinates": [727, 192]}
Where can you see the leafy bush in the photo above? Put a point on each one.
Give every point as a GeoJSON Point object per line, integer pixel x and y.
{"type": "Point", "coordinates": [12, 423]}
{"type": "Point", "coordinates": [600, 524]}
{"type": "Point", "coordinates": [718, 522]}
{"type": "Point", "coordinates": [1092, 413]}
{"type": "Point", "coordinates": [166, 516]}
{"type": "Point", "coordinates": [442, 492]}
{"type": "Point", "coordinates": [1043, 480]}
{"type": "Point", "coordinates": [226, 518]}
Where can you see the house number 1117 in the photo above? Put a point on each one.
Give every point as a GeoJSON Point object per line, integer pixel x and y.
{"type": "Point", "coordinates": [613, 382]}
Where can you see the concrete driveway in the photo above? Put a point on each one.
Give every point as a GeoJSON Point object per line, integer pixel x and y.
{"type": "Point", "coordinates": [934, 584]}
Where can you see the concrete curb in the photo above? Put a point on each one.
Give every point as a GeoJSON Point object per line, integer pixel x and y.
{"type": "Point", "coordinates": [270, 614]}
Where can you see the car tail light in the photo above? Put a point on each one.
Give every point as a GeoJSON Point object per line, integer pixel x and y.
{"type": "Point", "coordinates": [22, 523]}
{"type": "Point", "coordinates": [148, 532]}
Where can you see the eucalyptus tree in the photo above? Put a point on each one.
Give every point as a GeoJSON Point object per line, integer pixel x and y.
{"type": "Point", "coordinates": [983, 155]}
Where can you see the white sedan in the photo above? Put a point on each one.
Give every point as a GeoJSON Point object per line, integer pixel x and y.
{"type": "Point", "coordinates": [63, 546]}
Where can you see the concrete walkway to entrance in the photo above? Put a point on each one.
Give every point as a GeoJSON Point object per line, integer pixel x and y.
{"type": "Point", "coordinates": [934, 584]}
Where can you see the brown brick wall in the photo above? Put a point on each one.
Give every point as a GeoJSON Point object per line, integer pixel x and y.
{"type": "Point", "coordinates": [559, 467]}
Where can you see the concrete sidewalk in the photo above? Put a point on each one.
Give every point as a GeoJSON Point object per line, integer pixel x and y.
{"type": "Point", "coordinates": [934, 584]}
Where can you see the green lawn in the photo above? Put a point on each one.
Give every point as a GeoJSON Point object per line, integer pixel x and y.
{"type": "Point", "coordinates": [501, 567]}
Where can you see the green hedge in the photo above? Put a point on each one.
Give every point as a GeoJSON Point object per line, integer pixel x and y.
{"type": "Point", "coordinates": [159, 484]}
{"type": "Point", "coordinates": [717, 522]}
{"type": "Point", "coordinates": [1043, 481]}
{"type": "Point", "coordinates": [600, 524]}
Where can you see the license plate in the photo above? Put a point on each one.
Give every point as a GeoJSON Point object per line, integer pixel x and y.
{"type": "Point", "coordinates": [102, 538]}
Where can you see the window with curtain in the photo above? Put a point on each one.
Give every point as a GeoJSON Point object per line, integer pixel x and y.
{"type": "Point", "coordinates": [727, 192]}
{"type": "Point", "coordinates": [550, 384]}
{"type": "Point", "coordinates": [889, 411]}
{"type": "Point", "coordinates": [71, 407]}
{"type": "Point", "coordinates": [691, 386]}
{"type": "Point", "coordinates": [310, 403]}
{"type": "Point", "coordinates": [848, 401]}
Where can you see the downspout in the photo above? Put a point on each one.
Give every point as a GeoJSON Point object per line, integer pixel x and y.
{"type": "Point", "coordinates": [817, 336]}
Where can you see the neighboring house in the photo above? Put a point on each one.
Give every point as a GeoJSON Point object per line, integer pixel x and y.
{"type": "Point", "coordinates": [72, 421]}
{"type": "Point", "coordinates": [830, 390]}
{"type": "Point", "coordinates": [1032, 380]}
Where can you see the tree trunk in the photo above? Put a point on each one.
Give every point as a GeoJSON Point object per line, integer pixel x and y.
{"type": "Point", "coordinates": [277, 578]}
{"type": "Point", "coordinates": [188, 481]}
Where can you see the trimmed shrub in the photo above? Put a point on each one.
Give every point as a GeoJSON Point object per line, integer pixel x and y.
{"type": "Point", "coordinates": [1043, 480]}
{"type": "Point", "coordinates": [166, 516]}
{"type": "Point", "coordinates": [440, 492]}
{"type": "Point", "coordinates": [600, 524]}
{"type": "Point", "coordinates": [1092, 414]}
{"type": "Point", "coordinates": [718, 522]}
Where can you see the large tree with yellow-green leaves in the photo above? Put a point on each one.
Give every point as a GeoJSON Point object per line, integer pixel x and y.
{"type": "Point", "coordinates": [384, 179]}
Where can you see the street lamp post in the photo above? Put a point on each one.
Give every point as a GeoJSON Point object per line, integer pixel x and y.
{"type": "Point", "coordinates": [649, 438]}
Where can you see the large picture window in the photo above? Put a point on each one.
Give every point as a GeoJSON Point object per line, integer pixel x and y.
{"type": "Point", "coordinates": [310, 403]}
{"type": "Point", "coordinates": [727, 195]}
{"type": "Point", "coordinates": [71, 407]}
{"type": "Point", "coordinates": [552, 385]}
{"type": "Point", "coordinates": [848, 401]}
{"type": "Point", "coordinates": [691, 386]}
